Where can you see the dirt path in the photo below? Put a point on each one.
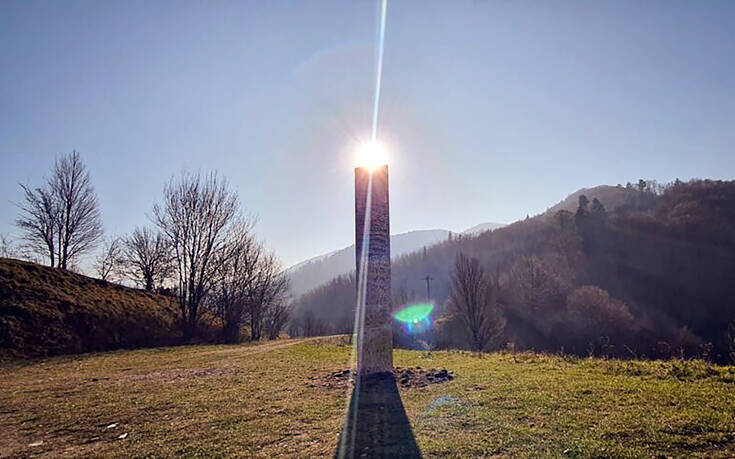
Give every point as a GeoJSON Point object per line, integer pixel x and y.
{"type": "Point", "coordinates": [278, 344]}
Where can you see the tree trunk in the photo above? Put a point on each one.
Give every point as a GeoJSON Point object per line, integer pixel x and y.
{"type": "Point", "coordinates": [254, 327]}
{"type": "Point", "coordinates": [231, 332]}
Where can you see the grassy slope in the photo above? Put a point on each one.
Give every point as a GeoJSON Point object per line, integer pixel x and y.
{"type": "Point", "coordinates": [256, 400]}
{"type": "Point", "coordinates": [45, 311]}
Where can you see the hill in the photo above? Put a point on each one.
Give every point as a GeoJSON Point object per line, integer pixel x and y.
{"type": "Point", "coordinates": [652, 276]}
{"type": "Point", "coordinates": [611, 197]}
{"type": "Point", "coordinates": [46, 311]}
{"type": "Point", "coordinates": [315, 271]}
{"type": "Point", "coordinates": [280, 399]}
{"type": "Point", "coordinates": [482, 227]}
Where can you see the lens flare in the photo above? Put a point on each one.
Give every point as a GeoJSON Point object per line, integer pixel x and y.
{"type": "Point", "coordinates": [415, 318]}
{"type": "Point", "coordinates": [379, 70]}
{"type": "Point", "coordinates": [413, 313]}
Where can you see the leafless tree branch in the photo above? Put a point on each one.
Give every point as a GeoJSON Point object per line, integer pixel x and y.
{"type": "Point", "coordinates": [474, 298]}
{"type": "Point", "coordinates": [195, 215]}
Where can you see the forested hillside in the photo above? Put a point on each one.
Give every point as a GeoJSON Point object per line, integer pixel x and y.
{"type": "Point", "coordinates": [639, 271]}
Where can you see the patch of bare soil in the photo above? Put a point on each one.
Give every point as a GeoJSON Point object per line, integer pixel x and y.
{"type": "Point", "coordinates": [406, 378]}
{"type": "Point", "coordinates": [338, 380]}
{"type": "Point", "coordinates": [418, 377]}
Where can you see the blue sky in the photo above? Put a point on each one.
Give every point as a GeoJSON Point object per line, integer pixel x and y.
{"type": "Point", "coordinates": [491, 110]}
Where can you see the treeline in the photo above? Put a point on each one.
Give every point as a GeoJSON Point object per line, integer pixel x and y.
{"type": "Point", "coordinates": [653, 276]}
{"type": "Point", "coordinates": [199, 247]}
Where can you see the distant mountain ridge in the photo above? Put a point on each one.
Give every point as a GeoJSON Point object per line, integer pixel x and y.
{"type": "Point", "coordinates": [313, 272]}
{"type": "Point", "coordinates": [318, 270]}
{"type": "Point", "coordinates": [482, 227]}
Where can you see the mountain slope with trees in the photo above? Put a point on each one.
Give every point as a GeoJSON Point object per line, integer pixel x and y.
{"type": "Point", "coordinates": [639, 270]}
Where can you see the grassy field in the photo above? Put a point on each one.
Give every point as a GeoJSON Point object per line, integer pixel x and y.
{"type": "Point", "coordinates": [268, 400]}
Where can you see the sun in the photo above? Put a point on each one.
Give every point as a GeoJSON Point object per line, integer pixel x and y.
{"type": "Point", "coordinates": [371, 155]}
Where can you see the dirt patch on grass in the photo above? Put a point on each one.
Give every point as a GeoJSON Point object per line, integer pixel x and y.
{"type": "Point", "coordinates": [418, 377]}
{"type": "Point", "coordinates": [406, 378]}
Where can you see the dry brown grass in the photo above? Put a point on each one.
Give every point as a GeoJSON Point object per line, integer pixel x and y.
{"type": "Point", "coordinates": [45, 311]}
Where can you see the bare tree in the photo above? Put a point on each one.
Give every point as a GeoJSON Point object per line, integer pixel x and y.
{"type": "Point", "coordinates": [474, 298]}
{"type": "Point", "coordinates": [7, 247]}
{"type": "Point", "coordinates": [276, 317]}
{"type": "Point", "coordinates": [107, 264]}
{"type": "Point", "coordinates": [78, 222]}
{"type": "Point", "coordinates": [195, 215]}
{"type": "Point", "coordinates": [39, 214]}
{"type": "Point", "coordinates": [146, 257]}
{"type": "Point", "coordinates": [308, 325]}
{"type": "Point", "coordinates": [236, 267]}
{"type": "Point", "coordinates": [248, 284]}
{"type": "Point", "coordinates": [267, 288]}
{"type": "Point", "coordinates": [537, 288]}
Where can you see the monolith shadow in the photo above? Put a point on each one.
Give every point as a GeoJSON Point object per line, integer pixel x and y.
{"type": "Point", "coordinates": [376, 423]}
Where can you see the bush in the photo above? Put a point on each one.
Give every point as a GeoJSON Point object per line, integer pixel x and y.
{"type": "Point", "coordinates": [595, 318]}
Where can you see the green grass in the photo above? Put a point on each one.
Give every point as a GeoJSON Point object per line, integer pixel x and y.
{"type": "Point", "coordinates": [260, 400]}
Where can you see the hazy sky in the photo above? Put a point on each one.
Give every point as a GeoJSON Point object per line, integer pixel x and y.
{"type": "Point", "coordinates": [491, 110]}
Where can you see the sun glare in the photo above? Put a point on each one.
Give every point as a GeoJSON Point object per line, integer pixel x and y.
{"type": "Point", "coordinates": [371, 155]}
